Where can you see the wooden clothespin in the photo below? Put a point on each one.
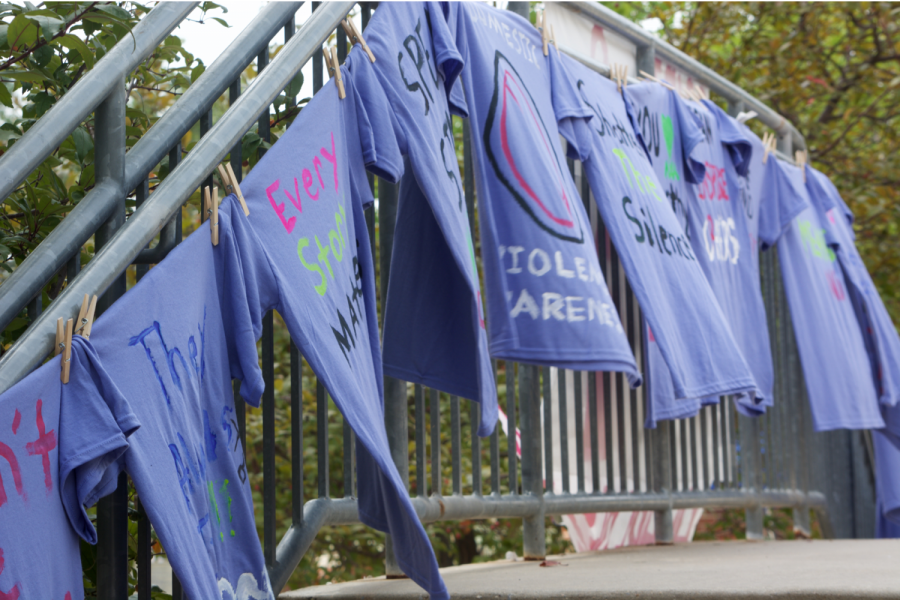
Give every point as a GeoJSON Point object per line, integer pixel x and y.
{"type": "Point", "coordinates": [66, 346]}
{"type": "Point", "coordinates": [800, 159]}
{"type": "Point", "coordinates": [553, 40]}
{"type": "Point", "coordinates": [229, 182]}
{"type": "Point", "coordinates": [211, 206]}
{"type": "Point", "coordinates": [766, 140]}
{"type": "Point", "coordinates": [657, 80]}
{"type": "Point", "coordinates": [334, 70]}
{"type": "Point", "coordinates": [356, 37]}
{"type": "Point", "coordinates": [86, 317]}
{"type": "Point", "coordinates": [545, 33]}
{"type": "Point", "coordinates": [60, 336]}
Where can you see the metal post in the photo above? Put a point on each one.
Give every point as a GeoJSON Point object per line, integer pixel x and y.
{"type": "Point", "coordinates": [112, 511]}
{"type": "Point", "coordinates": [535, 545]}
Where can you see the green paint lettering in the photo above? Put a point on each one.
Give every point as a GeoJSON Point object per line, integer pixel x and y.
{"type": "Point", "coordinates": [323, 285]}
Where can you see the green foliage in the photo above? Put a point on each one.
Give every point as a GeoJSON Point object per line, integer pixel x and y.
{"type": "Point", "coordinates": [832, 69]}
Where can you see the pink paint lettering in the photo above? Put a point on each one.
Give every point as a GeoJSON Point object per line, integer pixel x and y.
{"type": "Point", "coordinates": [12, 594]}
{"type": "Point", "coordinates": [279, 208]}
{"type": "Point", "coordinates": [17, 419]}
{"type": "Point", "coordinates": [308, 182]}
{"type": "Point", "coordinates": [332, 158]}
{"type": "Point", "coordinates": [42, 446]}
{"type": "Point", "coordinates": [7, 453]}
{"type": "Point", "coordinates": [295, 201]}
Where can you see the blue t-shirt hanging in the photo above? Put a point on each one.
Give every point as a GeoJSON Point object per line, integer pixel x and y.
{"type": "Point", "coordinates": [547, 299]}
{"type": "Point", "coordinates": [433, 291]}
{"type": "Point", "coordinates": [173, 344]}
{"type": "Point", "coordinates": [56, 442]}
{"type": "Point", "coordinates": [832, 351]}
{"type": "Point", "coordinates": [687, 326]}
{"type": "Point", "coordinates": [305, 252]}
{"type": "Point", "coordinates": [874, 318]}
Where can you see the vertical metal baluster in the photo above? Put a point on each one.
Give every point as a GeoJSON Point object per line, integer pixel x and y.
{"type": "Point", "coordinates": [112, 511]}
{"type": "Point", "coordinates": [609, 428]}
{"type": "Point", "coordinates": [474, 414]}
{"type": "Point", "coordinates": [268, 410]}
{"type": "Point", "coordinates": [421, 477]}
{"type": "Point", "coordinates": [687, 452]}
{"type": "Point", "coordinates": [322, 440]}
{"type": "Point", "coordinates": [678, 452]}
{"type": "Point", "coordinates": [697, 438]}
{"type": "Point", "coordinates": [639, 457]}
{"type": "Point", "coordinates": [296, 436]}
{"type": "Point", "coordinates": [435, 414]}
{"type": "Point", "coordinates": [495, 445]}
{"type": "Point", "coordinates": [621, 424]}
{"type": "Point", "coordinates": [594, 416]}
{"type": "Point", "coordinates": [456, 446]}
{"type": "Point", "coordinates": [579, 432]}
{"type": "Point", "coordinates": [141, 193]}
{"type": "Point", "coordinates": [563, 404]}
{"type": "Point", "coordinates": [511, 425]}
{"type": "Point", "coordinates": [347, 433]}
{"type": "Point", "coordinates": [548, 432]}
{"type": "Point", "coordinates": [206, 123]}
{"type": "Point", "coordinates": [534, 526]}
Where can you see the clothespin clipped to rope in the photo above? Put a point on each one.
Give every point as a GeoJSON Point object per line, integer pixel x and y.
{"type": "Point", "coordinates": [230, 183]}
{"type": "Point", "coordinates": [800, 159]}
{"type": "Point", "coordinates": [334, 70]}
{"type": "Point", "coordinates": [769, 142]}
{"type": "Point", "coordinates": [211, 206]}
{"type": "Point", "coordinates": [64, 346]}
{"type": "Point", "coordinates": [619, 74]}
{"type": "Point", "coordinates": [743, 117]}
{"type": "Point", "coordinates": [86, 316]}
{"type": "Point", "coordinates": [657, 80]}
{"type": "Point", "coordinates": [356, 37]}
{"type": "Point", "coordinates": [541, 24]}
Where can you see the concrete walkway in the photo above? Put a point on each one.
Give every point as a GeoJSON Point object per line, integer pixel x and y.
{"type": "Point", "coordinates": [735, 570]}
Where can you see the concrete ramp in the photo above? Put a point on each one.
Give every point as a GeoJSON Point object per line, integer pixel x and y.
{"type": "Point", "coordinates": [797, 570]}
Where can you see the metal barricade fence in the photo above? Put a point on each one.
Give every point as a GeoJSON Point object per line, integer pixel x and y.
{"type": "Point", "coordinates": [716, 459]}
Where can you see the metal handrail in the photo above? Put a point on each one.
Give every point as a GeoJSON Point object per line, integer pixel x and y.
{"type": "Point", "coordinates": [84, 219]}
{"type": "Point", "coordinates": [141, 228]}
{"type": "Point", "coordinates": [49, 131]}
{"type": "Point", "coordinates": [643, 39]}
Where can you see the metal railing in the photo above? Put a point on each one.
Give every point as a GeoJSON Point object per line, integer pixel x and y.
{"type": "Point", "coordinates": [716, 459]}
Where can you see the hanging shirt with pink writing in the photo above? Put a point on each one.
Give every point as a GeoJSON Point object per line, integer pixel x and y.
{"type": "Point", "coordinates": [56, 442]}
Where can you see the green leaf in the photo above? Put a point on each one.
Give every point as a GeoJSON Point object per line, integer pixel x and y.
{"type": "Point", "coordinates": [197, 72]}
{"type": "Point", "coordinates": [34, 76]}
{"type": "Point", "coordinates": [50, 26]}
{"type": "Point", "coordinates": [74, 43]}
{"type": "Point", "coordinates": [221, 22]}
{"type": "Point", "coordinates": [42, 56]}
{"type": "Point", "coordinates": [83, 143]}
{"type": "Point", "coordinates": [5, 96]}
{"type": "Point", "coordinates": [22, 32]}
{"type": "Point", "coordinates": [114, 11]}
{"type": "Point", "coordinates": [293, 88]}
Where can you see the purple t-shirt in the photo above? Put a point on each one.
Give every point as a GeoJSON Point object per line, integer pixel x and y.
{"type": "Point", "coordinates": [433, 291]}
{"type": "Point", "coordinates": [835, 363]}
{"type": "Point", "coordinates": [305, 252]}
{"type": "Point", "coordinates": [56, 442]}
{"type": "Point", "coordinates": [688, 328]}
{"type": "Point", "coordinates": [547, 299]}
{"type": "Point", "coordinates": [878, 329]}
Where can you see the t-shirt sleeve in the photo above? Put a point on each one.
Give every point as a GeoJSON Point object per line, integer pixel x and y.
{"type": "Point", "coordinates": [632, 112]}
{"type": "Point", "coordinates": [739, 148]}
{"type": "Point", "coordinates": [692, 140]}
{"type": "Point", "coordinates": [382, 140]}
{"type": "Point", "coordinates": [453, 16]}
{"type": "Point", "coordinates": [447, 57]}
{"type": "Point", "coordinates": [247, 290]}
{"type": "Point", "coordinates": [778, 205]}
{"type": "Point", "coordinates": [95, 421]}
{"type": "Point", "coordinates": [572, 116]}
